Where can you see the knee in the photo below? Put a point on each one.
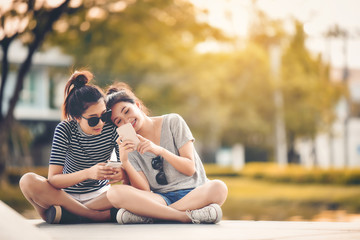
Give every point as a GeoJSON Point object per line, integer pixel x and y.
{"type": "Point", "coordinates": [116, 195]}
{"type": "Point", "coordinates": [31, 183]}
{"type": "Point", "coordinates": [219, 191]}
{"type": "Point", "coordinates": [111, 194]}
{"type": "Point", "coordinates": [26, 180]}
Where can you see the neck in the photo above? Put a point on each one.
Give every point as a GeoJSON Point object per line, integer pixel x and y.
{"type": "Point", "coordinates": [147, 127]}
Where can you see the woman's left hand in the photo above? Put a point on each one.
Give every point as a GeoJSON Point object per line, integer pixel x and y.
{"type": "Point", "coordinates": [118, 175]}
{"type": "Point", "coordinates": [146, 145]}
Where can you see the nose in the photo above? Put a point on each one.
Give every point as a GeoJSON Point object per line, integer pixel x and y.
{"type": "Point", "coordinates": [126, 120]}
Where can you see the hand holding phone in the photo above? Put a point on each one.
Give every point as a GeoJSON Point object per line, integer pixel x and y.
{"type": "Point", "coordinates": [114, 164]}
{"type": "Point", "coordinates": [128, 133]}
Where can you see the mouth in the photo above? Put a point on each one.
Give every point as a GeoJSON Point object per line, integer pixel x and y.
{"type": "Point", "coordinates": [133, 123]}
{"type": "Point", "coordinates": [98, 129]}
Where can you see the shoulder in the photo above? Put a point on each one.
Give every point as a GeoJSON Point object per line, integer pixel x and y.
{"type": "Point", "coordinates": [64, 132]}
{"type": "Point", "coordinates": [65, 127]}
{"type": "Point", "coordinates": [173, 118]}
{"type": "Point", "coordinates": [175, 122]}
{"type": "Point", "coordinates": [109, 128]}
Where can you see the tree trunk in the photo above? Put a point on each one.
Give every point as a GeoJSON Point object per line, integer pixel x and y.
{"type": "Point", "coordinates": [4, 149]}
{"type": "Point", "coordinates": [6, 120]}
{"type": "Point", "coordinates": [4, 73]}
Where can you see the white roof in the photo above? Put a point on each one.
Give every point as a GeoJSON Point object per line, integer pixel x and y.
{"type": "Point", "coordinates": [51, 57]}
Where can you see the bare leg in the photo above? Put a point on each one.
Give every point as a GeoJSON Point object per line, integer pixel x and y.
{"type": "Point", "coordinates": [99, 203]}
{"type": "Point", "coordinates": [214, 191]}
{"type": "Point", "coordinates": [143, 203]}
{"type": "Point", "coordinates": [42, 195]}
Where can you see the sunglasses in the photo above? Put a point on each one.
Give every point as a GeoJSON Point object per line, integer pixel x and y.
{"type": "Point", "coordinates": [93, 121]}
{"type": "Point", "coordinates": [157, 164]}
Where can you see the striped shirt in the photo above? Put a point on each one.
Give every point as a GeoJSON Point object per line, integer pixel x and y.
{"type": "Point", "coordinates": [75, 150]}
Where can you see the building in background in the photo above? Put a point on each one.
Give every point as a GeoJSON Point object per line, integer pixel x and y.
{"type": "Point", "coordinates": [340, 147]}
{"type": "Point", "coordinates": [40, 101]}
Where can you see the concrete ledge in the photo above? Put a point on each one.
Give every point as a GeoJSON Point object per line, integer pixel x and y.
{"type": "Point", "coordinates": [14, 227]}
{"type": "Point", "coordinates": [232, 230]}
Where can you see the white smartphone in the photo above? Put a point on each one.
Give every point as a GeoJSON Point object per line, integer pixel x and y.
{"type": "Point", "coordinates": [114, 164]}
{"type": "Point", "coordinates": [128, 133]}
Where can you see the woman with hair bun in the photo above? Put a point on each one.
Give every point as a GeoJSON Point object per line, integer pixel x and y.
{"type": "Point", "coordinates": [168, 180]}
{"type": "Point", "coordinates": [78, 178]}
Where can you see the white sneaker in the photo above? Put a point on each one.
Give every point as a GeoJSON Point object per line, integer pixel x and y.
{"type": "Point", "coordinates": [209, 214]}
{"type": "Point", "coordinates": [123, 216]}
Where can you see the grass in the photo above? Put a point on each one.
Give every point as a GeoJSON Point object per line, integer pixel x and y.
{"type": "Point", "coordinates": [290, 174]}
{"type": "Point", "coordinates": [249, 197]}
{"type": "Point", "coordinates": [10, 192]}
{"type": "Point", "coordinates": [12, 196]}
{"type": "Point", "coordinates": [264, 200]}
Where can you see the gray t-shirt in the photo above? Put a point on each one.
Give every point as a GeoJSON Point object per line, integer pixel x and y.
{"type": "Point", "coordinates": [174, 134]}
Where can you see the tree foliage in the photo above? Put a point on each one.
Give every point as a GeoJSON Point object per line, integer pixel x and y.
{"type": "Point", "coordinates": [134, 40]}
{"type": "Point", "coordinates": [227, 97]}
{"type": "Point", "coordinates": [149, 44]}
{"type": "Point", "coordinates": [309, 94]}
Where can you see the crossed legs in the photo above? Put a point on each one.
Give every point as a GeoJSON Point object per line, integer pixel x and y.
{"type": "Point", "coordinates": [152, 205]}
{"type": "Point", "coordinates": [42, 195]}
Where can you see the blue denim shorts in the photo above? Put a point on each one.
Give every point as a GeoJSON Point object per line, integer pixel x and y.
{"type": "Point", "coordinates": [171, 197]}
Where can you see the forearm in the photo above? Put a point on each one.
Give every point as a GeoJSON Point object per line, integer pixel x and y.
{"type": "Point", "coordinates": [61, 181]}
{"type": "Point", "coordinates": [182, 164]}
{"type": "Point", "coordinates": [136, 180]}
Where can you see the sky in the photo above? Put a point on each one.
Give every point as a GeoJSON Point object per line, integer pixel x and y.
{"type": "Point", "coordinates": [317, 15]}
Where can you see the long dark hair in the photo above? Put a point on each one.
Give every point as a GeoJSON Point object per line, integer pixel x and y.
{"type": "Point", "coordinates": [79, 95]}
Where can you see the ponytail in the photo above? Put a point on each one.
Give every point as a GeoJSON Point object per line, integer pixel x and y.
{"type": "Point", "coordinates": [79, 95]}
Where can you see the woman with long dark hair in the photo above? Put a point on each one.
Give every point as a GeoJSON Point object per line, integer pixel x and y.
{"type": "Point", "coordinates": [167, 177]}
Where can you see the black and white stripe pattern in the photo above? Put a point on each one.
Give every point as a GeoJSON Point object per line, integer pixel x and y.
{"type": "Point", "coordinates": [75, 151]}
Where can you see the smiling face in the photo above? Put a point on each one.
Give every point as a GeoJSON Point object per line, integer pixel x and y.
{"type": "Point", "coordinates": [94, 110]}
{"type": "Point", "coordinates": [125, 112]}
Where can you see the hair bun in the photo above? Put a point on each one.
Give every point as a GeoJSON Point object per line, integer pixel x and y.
{"type": "Point", "coordinates": [112, 90]}
{"type": "Point", "coordinates": [81, 78]}
{"type": "Point", "coordinates": [117, 87]}
{"type": "Point", "coordinates": [80, 81]}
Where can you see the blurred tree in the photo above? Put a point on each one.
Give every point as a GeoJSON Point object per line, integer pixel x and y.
{"type": "Point", "coordinates": [351, 106]}
{"type": "Point", "coordinates": [309, 95]}
{"type": "Point", "coordinates": [126, 40]}
{"type": "Point", "coordinates": [30, 21]}
{"type": "Point", "coordinates": [132, 40]}
{"type": "Point", "coordinates": [149, 44]}
{"type": "Point", "coordinates": [224, 96]}
{"type": "Point", "coordinates": [264, 30]}
{"type": "Point", "coordinates": [250, 119]}
{"type": "Point", "coordinates": [250, 98]}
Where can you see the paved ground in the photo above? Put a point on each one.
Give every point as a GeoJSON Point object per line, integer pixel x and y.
{"type": "Point", "coordinates": [14, 226]}
{"type": "Point", "coordinates": [251, 230]}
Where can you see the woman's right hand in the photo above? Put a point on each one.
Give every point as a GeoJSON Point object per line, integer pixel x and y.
{"type": "Point", "coordinates": [136, 180]}
{"type": "Point", "coordinates": [125, 147]}
{"type": "Point", "coordinates": [99, 172]}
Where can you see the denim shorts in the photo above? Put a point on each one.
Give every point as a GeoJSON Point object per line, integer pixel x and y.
{"type": "Point", "coordinates": [171, 197]}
